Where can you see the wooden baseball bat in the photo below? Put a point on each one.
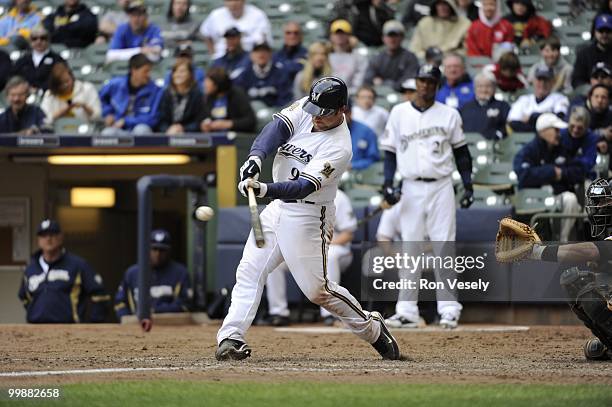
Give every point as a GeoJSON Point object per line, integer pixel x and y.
{"type": "Point", "coordinates": [255, 221]}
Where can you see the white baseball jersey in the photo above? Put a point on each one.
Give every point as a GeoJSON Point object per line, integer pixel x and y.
{"type": "Point", "coordinates": [318, 157]}
{"type": "Point", "coordinates": [526, 105]}
{"type": "Point", "coordinates": [423, 141]}
{"type": "Point", "coordinates": [345, 218]}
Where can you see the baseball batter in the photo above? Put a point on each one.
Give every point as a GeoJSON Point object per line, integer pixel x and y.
{"type": "Point", "coordinates": [312, 144]}
{"type": "Point", "coordinates": [421, 140]}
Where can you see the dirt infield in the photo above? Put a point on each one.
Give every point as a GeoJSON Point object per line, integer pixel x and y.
{"type": "Point", "coordinates": [539, 354]}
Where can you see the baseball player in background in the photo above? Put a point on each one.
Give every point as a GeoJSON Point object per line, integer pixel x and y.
{"type": "Point", "coordinates": [421, 139]}
{"type": "Point", "coordinates": [312, 147]}
{"type": "Point", "coordinates": [339, 258]}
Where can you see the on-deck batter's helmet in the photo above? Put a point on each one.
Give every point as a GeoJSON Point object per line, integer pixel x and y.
{"type": "Point", "coordinates": [429, 71]}
{"type": "Point", "coordinates": [326, 96]}
{"type": "Point", "coordinates": [598, 206]}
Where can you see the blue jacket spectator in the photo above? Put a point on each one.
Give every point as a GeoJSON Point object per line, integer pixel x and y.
{"type": "Point", "coordinates": [580, 141]}
{"type": "Point", "coordinates": [365, 144]}
{"type": "Point", "coordinates": [484, 114]}
{"type": "Point", "coordinates": [19, 116]}
{"type": "Point", "coordinates": [457, 87]}
{"type": "Point", "coordinates": [235, 60]}
{"type": "Point", "coordinates": [293, 54]}
{"type": "Point", "coordinates": [131, 102]}
{"type": "Point", "coordinates": [170, 286]}
{"type": "Point", "coordinates": [136, 36]}
{"type": "Point", "coordinates": [264, 80]}
{"type": "Point", "coordinates": [57, 286]}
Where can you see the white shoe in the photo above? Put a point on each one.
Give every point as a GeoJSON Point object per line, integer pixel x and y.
{"type": "Point", "coordinates": [449, 321]}
{"type": "Point", "coordinates": [403, 321]}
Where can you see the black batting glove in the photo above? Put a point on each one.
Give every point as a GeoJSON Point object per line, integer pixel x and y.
{"type": "Point", "coordinates": [251, 168]}
{"type": "Point", "coordinates": [391, 195]}
{"type": "Point", "coordinates": [468, 198]}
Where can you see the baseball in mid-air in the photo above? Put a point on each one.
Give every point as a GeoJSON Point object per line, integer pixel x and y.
{"type": "Point", "coordinates": [204, 213]}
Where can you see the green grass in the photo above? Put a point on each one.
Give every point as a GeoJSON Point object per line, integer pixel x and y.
{"type": "Point", "coordinates": [319, 394]}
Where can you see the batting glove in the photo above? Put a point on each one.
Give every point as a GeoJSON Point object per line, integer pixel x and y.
{"type": "Point", "coordinates": [467, 199]}
{"type": "Point", "coordinates": [391, 196]}
{"type": "Point", "coordinates": [251, 168]}
{"type": "Point", "coordinates": [259, 188]}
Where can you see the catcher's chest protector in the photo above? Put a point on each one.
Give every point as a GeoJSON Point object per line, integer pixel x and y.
{"type": "Point", "coordinates": [591, 300]}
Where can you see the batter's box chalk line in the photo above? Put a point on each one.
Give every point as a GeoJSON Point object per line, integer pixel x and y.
{"type": "Point", "coordinates": [429, 329]}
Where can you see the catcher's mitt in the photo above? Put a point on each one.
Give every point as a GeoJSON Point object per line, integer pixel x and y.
{"type": "Point", "coordinates": [514, 241]}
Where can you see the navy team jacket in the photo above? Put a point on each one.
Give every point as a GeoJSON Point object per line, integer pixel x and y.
{"type": "Point", "coordinates": [63, 294]}
{"type": "Point", "coordinates": [170, 290]}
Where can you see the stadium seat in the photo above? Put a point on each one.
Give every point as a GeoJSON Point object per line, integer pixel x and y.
{"type": "Point", "coordinates": [262, 112]}
{"type": "Point", "coordinates": [371, 176]}
{"type": "Point", "coordinates": [495, 176]}
{"type": "Point", "coordinates": [481, 149]}
{"type": "Point", "coordinates": [362, 196]}
{"type": "Point", "coordinates": [70, 125]}
{"type": "Point", "coordinates": [506, 149]}
{"type": "Point", "coordinates": [487, 198]}
{"type": "Point", "coordinates": [529, 201]}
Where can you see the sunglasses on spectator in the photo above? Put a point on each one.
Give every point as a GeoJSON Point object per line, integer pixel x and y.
{"type": "Point", "coordinates": [42, 38]}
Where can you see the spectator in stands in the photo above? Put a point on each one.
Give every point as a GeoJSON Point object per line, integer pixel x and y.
{"type": "Point", "coordinates": [184, 53]}
{"type": "Point", "coordinates": [415, 10]}
{"type": "Point", "coordinates": [226, 107]}
{"type": "Point", "coordinates": [605, 7]}
{"type": "Point", "coordinates": [112, 19]}
{"type": "Point", "coordinates": [58, 286]}
{"type": "Point", "coordinates": [580, 141]}
{"type": "Point", "coordinates": [366, 17]}
{"type": "Point", "coordinates": [20, 116]}
{"type": "Point", "coordinates": [316, 66]}
{"type": "Point", "coordinates": [180, 105]}
{"type": "Point", "coordinates": [364, 141]}
{"type": "Point", "coordinates": [408, 90]}
{"type": "Point", "coordinates": [394, 64]}
{"type": "Point", "coordinates": [250, 20]}
{"type": "Point", "coordinates": [367, 112]}
{"type": "Point", "coordinates": [489, 30]}
{"type": "Point", "coordinates": [598, 105]}
{"type": "Point", "coordinates": [15, 26]}
{"type": "Point", "coordinates": [130, 103]}
{"type": "Point", "coordinates": [67, 97]}
{"type": "Point", "coordinates": [544, 161]}
{"type": "Point", "coordinates": [137, 36]}
{"type": "Point", "coordinates": [235, 60]}
{"type": "Point", "coordinates": [444, 29]}
{"type": "Point", "coordinates": [346, 63]}
{"type": "Point", "coordinates": [35, 65]}
{"type": "Point", "coordinates": [507, 73]}
{"type": "Point", "coordinates": [170, 285]}
{"type": "Point", "coordinates": [599, 50]}
{"type": "Point", "coordinates": [293, 54]}
{"type": "Point", "coordinates": [601, 74]}
{"type": "Point", "coordinates": [180, 27]}
{"type": "Point", "coordinates": [264, 80]}
{"type": "Point", "coordinates": [72, 24]}
{"type": "Point", "coordinates": [467, 9]}
{"type": "Point", "coordinates": [457, 87]}
{"type": "Point", "coordinates": [529, 27]}
{"type": "Point", "coordinates": [484, 114]}
{"type": "Point", "coordinates": [434, 56]}
{"type": "Point", "coordinates": [6, 68]}
{"type": "Point", "coordinates": [526, 110]}
{"type": "Point", "coordinates": [550, 49]}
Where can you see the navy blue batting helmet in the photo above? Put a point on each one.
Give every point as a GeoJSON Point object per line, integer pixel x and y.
{"type": "Point", "coordinates": [326, 96]}
{"type": "Point", "coordinates": [428, 71]}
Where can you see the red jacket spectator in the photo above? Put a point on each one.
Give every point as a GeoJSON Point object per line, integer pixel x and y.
{"type": "Point", "coordinates": [528, 26]}
{"type": "Point", "coordinates": [507, 72]}
{"type": "Point", "coordinates": [488, 30]}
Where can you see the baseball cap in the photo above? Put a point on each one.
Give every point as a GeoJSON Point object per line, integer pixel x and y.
{"type": "Point", "coordinates": [393, 27]}
{"type": "Point", "coordinates": [136, 5]}
{"type": "Point", "coordinates": [183, 50]}
{"type": "Point", "coordinates": [434, 53]}
{"type": "Point", "coordinates": [408, 84]}
{"type": "Point", "coordinates": [601, 67]}
{"type": "Point", "coordinates": [341, 25]}
{"type": "Point", "coordinates": [544, 72]}
{"type": "Point", "coordinates": [262, 45]}
{"type": "Point", "coordinates": [160, 239]}
{"type": "Point", "coordinates": [232, 32]}
{"type": "Point", "coordinates": [48, 226]}
{"type": "Point", "coordinates": [548, 120]}
{"type": "Point", "coordinates": [603, 22]}
{"type": "Point", "coordinates": [429, 71]}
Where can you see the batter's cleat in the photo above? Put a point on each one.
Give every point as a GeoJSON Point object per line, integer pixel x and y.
{"type": "Point", "coordinates": [449, 321]}
{"type": "Point", "coordinates": [232, 349]}
{"type": "Point", "coordinates": [402, 321]}
{"type": "Point", "coordinates": [595, 350]}
{"type": "Point", "coordinates": [329, 320]}
{"type": "Point", "coordinates": [385, 345]}
{"type": "Point", "coordinates": [279, 320]}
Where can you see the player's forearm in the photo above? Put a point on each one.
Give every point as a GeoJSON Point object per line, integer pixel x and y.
{"type": "Point", "coordinates": [271, 137]}
{"type": "Point", "coordinates": [298, 189]}
{"type": "Point", "coordinates": [574, 253]}
{"type": "Point", "coordinates": [390, 165]}
{"type": "Point", "coordinates": [463, 159]}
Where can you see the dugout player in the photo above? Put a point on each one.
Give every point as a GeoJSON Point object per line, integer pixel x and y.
{"type": "Point", "coordinates": [421, 140]}
{"type": "Point", "coordinates": [58, 286]}
{"type": "Point", "coordinates": [590, 292]}
{"type": "Point", "coordinates": [170, 286]}
{"type": "Point", "coordinates": [312, 147]}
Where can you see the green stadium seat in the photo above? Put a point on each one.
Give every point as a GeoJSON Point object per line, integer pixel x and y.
{"type": "Point", "coordinates": [69, 125]}
{"type": "Point", "coordinates": [506, 149]}
{"type": "Point", "coordinates": [530, 201]}
{"type": "Point", "coordinates": [495, 176]}
{"type": "Point", "coordinates": [263, 113]}
{"type": "Point", "coordinates": [486, 198]}
{"type": "Point", "coordinates": [372, 176]}
{"type": "Point", "coordinates": [361, 196]}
